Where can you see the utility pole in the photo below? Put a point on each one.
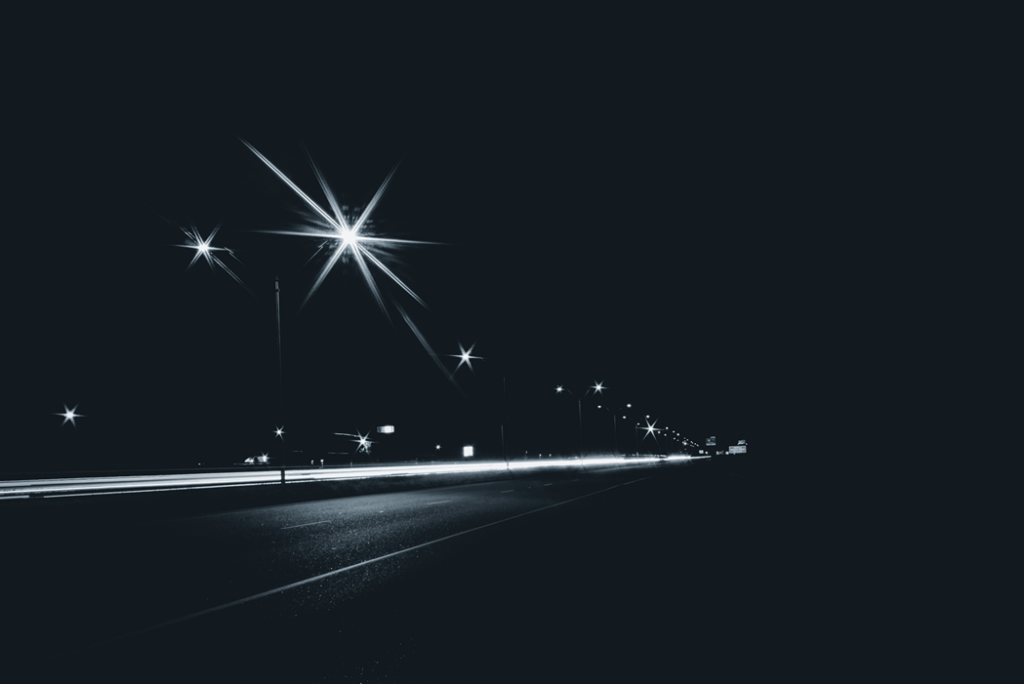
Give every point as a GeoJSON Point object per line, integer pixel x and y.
{"type": "Point", "coordinates": [280, 369]}
{"type": "Point", "coordinates": [579, 403]}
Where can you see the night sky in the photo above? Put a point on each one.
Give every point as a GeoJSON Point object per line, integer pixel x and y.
{"type": "Point", "coordinates": [629, 216]}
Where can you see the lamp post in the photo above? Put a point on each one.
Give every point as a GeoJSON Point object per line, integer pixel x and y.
{"type": "Point", "coordinates": [649, 429]}
{"type": "Point", "coordinates": [615, 426]}
{"type": "Point", "coordinates": [579, 402]}
{"type": "Point", "coordinates": [356, 238]}
{"type": "Point", "coordinates": [597, 388]}
{"type": "Point", "coordinates": [280, 373]}
{"type": "Point", "coordinates": [465, 356]}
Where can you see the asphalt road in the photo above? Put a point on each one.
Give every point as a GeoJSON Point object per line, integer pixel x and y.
{"type": "Point", "coordinates": [652, 574]}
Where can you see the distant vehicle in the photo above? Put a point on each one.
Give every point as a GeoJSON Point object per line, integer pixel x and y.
{"type": "Point", "coordinates": [257, 460]}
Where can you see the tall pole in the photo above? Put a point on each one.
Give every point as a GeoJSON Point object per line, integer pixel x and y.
{"type": "Point", "coordinates": [280, 370]}
{"type": "Point", "coordinates": [503, 395]}
{"type": "Point", "coordinates": [579, 402]}
{"type": "Point", "coordinates": [615, 428]}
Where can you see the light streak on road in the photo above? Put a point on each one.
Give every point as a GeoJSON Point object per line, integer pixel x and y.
{"type": "Point", "coordinates": [82, 486]}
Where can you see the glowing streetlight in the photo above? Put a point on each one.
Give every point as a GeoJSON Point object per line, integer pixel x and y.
{"type": "Point", "coordinates": [360, 439]}
{"type": "Point", "coordinates": [204, 248]}
{"type": "Point", "coordinates": [347, 239]}
{"type": "Point", "coordinates": [649, 429]}
{"type": "Point", "coordinates": [279, 432]}
{"type": "Point", "coordinates": [465, 356]}
{"type": "Point", "coordinates": [69, 415]}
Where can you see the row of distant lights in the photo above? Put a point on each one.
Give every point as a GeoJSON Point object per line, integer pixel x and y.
{"type": "Point", "coordinates": [364, 442]}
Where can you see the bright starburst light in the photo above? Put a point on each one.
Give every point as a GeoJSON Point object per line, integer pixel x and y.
{"type": "Point", "coordinates": [598, 387]}
{"type": "Point", "coordinates": [465, 356]}
{"type": "Point", "coordinates": [205, 249]}
{"type": "Point", "coordinates": [279, 432]}
{"type": "Point", "coordinates": [362, 440]}
{"type": "Point", "coordinates": [69, 414]}
{"type": "Point", "coordinates": [351, 239]}
{"type": "Point", "coordinates": [650, 430]}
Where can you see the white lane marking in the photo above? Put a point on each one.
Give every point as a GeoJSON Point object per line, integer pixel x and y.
{"type": "Point", "coordinates": [472, 484]}
{"type": "Point", "coordinates": [434, 503]}
{"type": "Point", "coordinates": [292, 527]}
{"type": "Point", "coordinates": [317, 578]}
{"type": "Point", "coordinates": [549, 484]}
{"type": "Point", "coordinates": [507, 491]}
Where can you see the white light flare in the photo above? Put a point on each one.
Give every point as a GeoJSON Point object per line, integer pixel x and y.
{"type": "Point", "coordinates": [349, 238]}
{"type": "Point", "coordinates": [465, 356]}
{"type": "Point", "coordinates": [364, 443]}
{"type": "Point", "coordinates": [430, 350]}
{"type": "Point", "coordinates": [650, 430]}
{"type": "Point", "coordinates": [279, 432]}
{"type": "Point", "coordinates": [598, 387]}
{"type": "Point", "coordinates": [69, 415]}
{"type": "Point", "coordinates": [205, 249]}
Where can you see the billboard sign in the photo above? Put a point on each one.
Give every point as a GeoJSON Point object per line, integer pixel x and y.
{"type": "Point", "coordinates": [386, 429]}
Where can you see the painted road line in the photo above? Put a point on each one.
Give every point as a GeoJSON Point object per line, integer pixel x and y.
{"type": "Point", "coordinates": [332, 573]}
{"type": "Point", "coordinates": [292, 527]}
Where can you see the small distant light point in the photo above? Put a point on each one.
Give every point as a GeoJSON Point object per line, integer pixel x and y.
{"type": "Point", "coordinates": [465, 356]}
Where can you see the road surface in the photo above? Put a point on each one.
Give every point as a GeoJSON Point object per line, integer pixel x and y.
{"type": "Point", "coordinates": [624, 575]}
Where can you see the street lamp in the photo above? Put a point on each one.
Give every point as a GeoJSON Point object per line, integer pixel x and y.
{"type": "Point", "coordinates": [69, 415]}
{"type": "Point", "coordinates": [649, 429]}
{"type": "Point", "coordinates": [341, 233]}
{"type": "Point", "coordinates": [363, 442]}
{"type": "Point", "coordinates": [597, 388]}
{"type": "Point", "coordinates": [203, 248]}
{"type": "Point", "coordinates": [615, 426]}
{"type": "Point", "coordinates": [465, 356]}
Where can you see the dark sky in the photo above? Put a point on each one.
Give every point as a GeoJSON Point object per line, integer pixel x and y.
{"type": "Point", "coordinates": [626, 215]}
